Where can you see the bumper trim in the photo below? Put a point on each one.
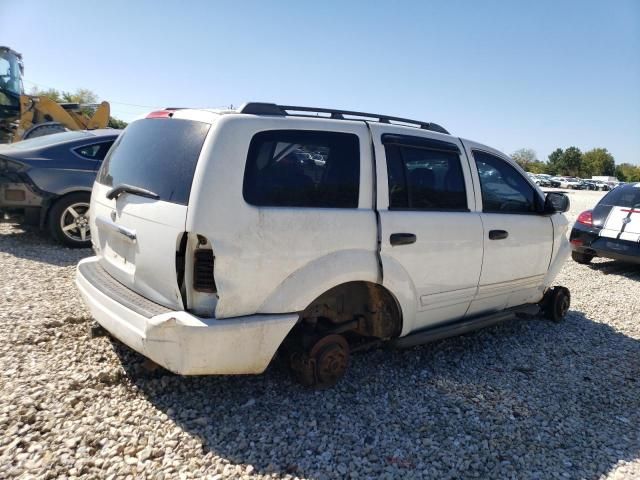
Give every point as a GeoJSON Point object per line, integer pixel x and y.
{"type": "Point", "coordinates": [98, 277]}
{"type": "Point", "coordinates": [186, 344]}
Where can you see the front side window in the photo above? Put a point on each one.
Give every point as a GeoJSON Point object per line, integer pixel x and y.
{"type": "Point", "coordinates": [504, 190]}
{"type": "Point", "coordinates": [290, 168]}
{"type": "Point", "coordinates": [424, 179]}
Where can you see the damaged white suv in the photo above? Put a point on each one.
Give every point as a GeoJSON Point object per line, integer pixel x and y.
{"type": "Point", "coordinates": [223, 237]}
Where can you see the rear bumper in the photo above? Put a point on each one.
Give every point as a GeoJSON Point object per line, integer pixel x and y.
{"type": "Point", "coordinates": [181, 342]}
{"type": "Point", "coordinates": [587, 240]}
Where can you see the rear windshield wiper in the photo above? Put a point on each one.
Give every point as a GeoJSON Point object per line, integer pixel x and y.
{"type": "Point", "coordinates": [118, 190]}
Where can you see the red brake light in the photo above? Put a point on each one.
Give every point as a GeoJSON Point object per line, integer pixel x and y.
{"type": "Point", "coordinates": [161, 114]}
{"type": "Point", "coordinates": [586, 218]}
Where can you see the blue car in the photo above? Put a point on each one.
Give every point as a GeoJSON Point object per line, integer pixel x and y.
{"type": "Point", "coordinates": [47, 181]}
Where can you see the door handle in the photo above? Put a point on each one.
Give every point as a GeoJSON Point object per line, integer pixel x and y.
{"type": "Point", "coordinates": [498, 234]}
{"type": "Point", "coordinates": [402, 239]}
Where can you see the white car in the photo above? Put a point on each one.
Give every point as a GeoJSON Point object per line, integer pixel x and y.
{"type": "Point", "coordinates": [216, 247]}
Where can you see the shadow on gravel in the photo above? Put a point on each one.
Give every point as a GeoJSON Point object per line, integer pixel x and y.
{"type": "Point", "coordinates": [31, 243]}
{"type": "Point", "coordinates": [527, 398]}
{"type": "Point", "coordinates": [616, 267]}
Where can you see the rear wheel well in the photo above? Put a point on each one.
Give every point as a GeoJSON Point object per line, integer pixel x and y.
{"type": "Point", "coordinates": [46, 208]}
{"type": "Point", "coordinates": [363, 308]}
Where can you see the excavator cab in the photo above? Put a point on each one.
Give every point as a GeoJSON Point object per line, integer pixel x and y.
{"type": "Point", "coordinates": [11, 71]}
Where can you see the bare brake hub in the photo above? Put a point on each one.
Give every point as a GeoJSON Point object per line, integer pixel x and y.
{"type": "Point", "coordinates": [324, 364]}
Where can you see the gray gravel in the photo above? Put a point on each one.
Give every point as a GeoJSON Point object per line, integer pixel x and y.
{"type": "Point", "coordinates": [525, 399]}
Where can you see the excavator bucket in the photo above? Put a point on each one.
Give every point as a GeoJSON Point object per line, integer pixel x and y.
{"type": "Point", "coordinates": [100, 118]}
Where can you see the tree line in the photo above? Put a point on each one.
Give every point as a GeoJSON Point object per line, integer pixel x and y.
{"type": "Point", "coordinates": [572, 162]}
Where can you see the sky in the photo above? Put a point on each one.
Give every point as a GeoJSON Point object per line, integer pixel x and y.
{"type": "Point", "coordinates": [530, 74]}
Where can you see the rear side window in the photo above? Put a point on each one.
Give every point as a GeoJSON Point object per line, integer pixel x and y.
{"type": "Point", "coordinates": [425, 178]}
{"type": "Point", "coordinates": [292, 168]}
{"type": "Point", "coordinates": [94, 152]}
{"type": "Point", "coordinates": [157, 154]}
{"type": "Point", "coordinates": [504, 190]}
{"type": "Point", "coordinates": [625, 196]}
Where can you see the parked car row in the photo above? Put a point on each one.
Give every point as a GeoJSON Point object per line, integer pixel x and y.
{"type": "Point", "coordinates": [572, 183]}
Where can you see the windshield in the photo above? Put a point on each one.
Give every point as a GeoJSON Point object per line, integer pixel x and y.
{"type": "Point", "coordinates": [10, 74]}
{"type": "Point", "coordinates": [46, 140]}
{"type": "Point", "coordinates": [626, 196]}
{"type": "Point", "coordinates": [159, 155]}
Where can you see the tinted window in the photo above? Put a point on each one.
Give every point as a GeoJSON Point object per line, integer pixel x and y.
{"type": "Point", "coordinates": [159, 155]}
{"type": "Point", "coordinates": [303, 169]}
{"type": "Point", "coordinates": [94, 152]}
{"type": "Point", "coordinates": [625, 196]}
{"type": "Point", "coordinates": [504, 190]}
{"type": "Point", "coordinates": [425, 179]}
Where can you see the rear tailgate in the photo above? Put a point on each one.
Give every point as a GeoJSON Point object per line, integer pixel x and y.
{"type": "Point", "coordinates": [137, 236]}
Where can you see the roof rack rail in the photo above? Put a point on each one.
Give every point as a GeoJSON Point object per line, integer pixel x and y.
{"type": "Point", "coordinates": [259, 108]}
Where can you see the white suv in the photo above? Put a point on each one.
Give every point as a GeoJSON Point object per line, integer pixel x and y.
{"type": "Point", "coordinates": [223, 237]}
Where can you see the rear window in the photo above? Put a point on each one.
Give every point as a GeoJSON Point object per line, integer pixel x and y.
{"type": "Point", "coordinates": [159, 155]}
{"type": "Point", "coordinates": [626, 196]}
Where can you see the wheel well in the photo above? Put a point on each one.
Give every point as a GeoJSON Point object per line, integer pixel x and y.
{"type": "Point", "coordinates": [364, 308]}
{"type": "Point", "coordinates": [45, 209]}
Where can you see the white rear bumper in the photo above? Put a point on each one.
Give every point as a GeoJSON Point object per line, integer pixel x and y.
{"type": "Point", "coordinates": [186, 344]}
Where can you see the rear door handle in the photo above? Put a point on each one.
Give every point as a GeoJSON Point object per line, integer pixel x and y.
{"type": "Point", "coordinates": [498, 234]}
{"type": "Point", "coordinates": [402, 239]}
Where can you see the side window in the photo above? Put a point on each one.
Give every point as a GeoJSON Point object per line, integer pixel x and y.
{"type": "Point", "coordinates": [504, 190]}
{"type": "Point", "coordinates": [424, 178]}
{"type": "Point", "coordinates": [94, 152]}
{"type": "Point", "coordinates": [292, 168]}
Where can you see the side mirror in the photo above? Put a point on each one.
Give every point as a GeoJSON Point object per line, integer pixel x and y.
{"type": "Point", "coordinates": [555, 202]}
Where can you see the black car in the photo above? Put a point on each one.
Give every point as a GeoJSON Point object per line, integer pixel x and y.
{"type": "Point", "coordinates": [47, 181]}
{"type": "Point", "coordinates": [611, 229]}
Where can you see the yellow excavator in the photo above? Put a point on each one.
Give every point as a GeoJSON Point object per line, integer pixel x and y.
{"type": "Point", "coordinates": [25, 116]}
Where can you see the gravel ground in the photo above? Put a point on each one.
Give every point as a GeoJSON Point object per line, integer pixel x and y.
{"type": "Point", "coordinates": [525, 399]}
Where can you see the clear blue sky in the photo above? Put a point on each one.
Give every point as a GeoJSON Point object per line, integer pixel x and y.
{"type": "Point", "coordinates": [537, 74]}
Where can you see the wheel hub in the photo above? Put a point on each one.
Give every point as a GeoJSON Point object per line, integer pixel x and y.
{"type": "Point", "coordinates": [331, 357]}
{"type": "Point", "coordinates": [74, 222]}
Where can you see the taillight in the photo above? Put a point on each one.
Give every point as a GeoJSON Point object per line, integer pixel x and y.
{"type": "Point", "coordinates": [586, 218]}
{"type": "Point", "coordinates": [160, 114]}
{"type": "Point", "coordinates": [203, 280]}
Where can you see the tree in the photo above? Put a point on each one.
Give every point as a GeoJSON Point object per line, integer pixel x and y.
{"type": "Point", "coordinates": [116, 123]}
{"type": "Point", "coordinates": [524, 157]}
{"type": "Point", "coordinates": [625, 172]}
{"type": "Point", "coordinates": [554, 161]}
{"type": "Point", "coordinates": [598, 162]}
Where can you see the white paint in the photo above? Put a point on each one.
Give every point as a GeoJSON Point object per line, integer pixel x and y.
{"type": "Point", "coordinates": [273, 262]}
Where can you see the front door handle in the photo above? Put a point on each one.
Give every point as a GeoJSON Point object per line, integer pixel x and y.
{"type": "Point", "coordinates": [498, 234]}
{"type": "Point", "coordinates": [402, 239]}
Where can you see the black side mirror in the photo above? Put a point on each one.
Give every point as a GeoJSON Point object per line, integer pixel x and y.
{"type": "Point", "coordinates": [555, 202]}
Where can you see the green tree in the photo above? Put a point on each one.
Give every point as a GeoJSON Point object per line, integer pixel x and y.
{"type": "Point", "coordinates": [569, 162]}
{"type": "Point", "coordinates": [598, 162]}
{"type": "Point", "coordinates": [553, 166]}
{"type": "Point", "coordinates": [625, 172]}
{"type": "Point", "coordinates": [537, 167]}
{"type": "Point", "coordinates": [116, 123]}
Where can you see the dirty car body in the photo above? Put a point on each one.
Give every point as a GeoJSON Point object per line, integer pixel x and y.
{"type": "Point", "coordinates": [37, 173]}
{"type": "Point", "coordinates": [235, 246]}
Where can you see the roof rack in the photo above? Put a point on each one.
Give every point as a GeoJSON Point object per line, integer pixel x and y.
{"type": "Point", "coordinates": [259, 108]}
